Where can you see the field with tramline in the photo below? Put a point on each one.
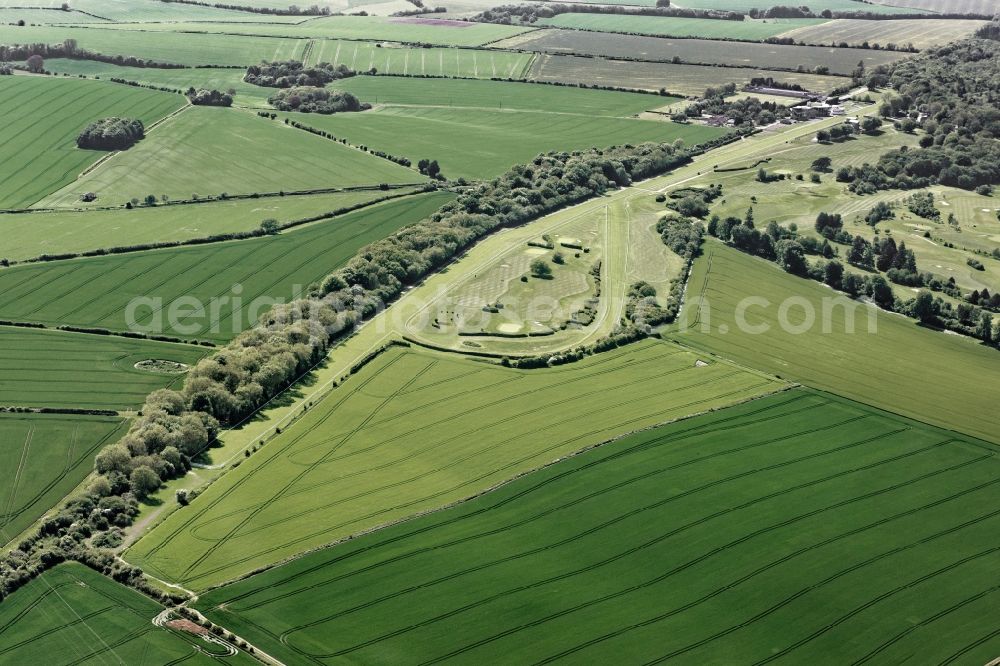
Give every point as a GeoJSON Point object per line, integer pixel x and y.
{"type": "Point", "coordinates": [43, 458]}
{"type": "Point", "coordinates": [919, 33]}
{"type": "Point", "coordinates": [414, 61]}
{"type": "Point", "coordinates": [413, 431]}
{"type": "Point", "coordinates": [786, 529]}
{"type": "Point", "coordinates": [749, 29]}
{"type": "Point", "coordinates": [42, 119]}
{"type": "Point", "coordinates": [97, 291]}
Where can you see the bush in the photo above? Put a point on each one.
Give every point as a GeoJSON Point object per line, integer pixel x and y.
{"type": "Point", "coordinates": [111, 134]}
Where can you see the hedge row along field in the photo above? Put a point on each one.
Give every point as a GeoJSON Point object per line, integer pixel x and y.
{"type": "Point", "coordinates": [44, 368]}
{"type": "Point", "coordinates": [211, 151]}
{"type": "Point", "coordinates": [42, 119]}
{"type": "Point", "coordinates": [96, 291]}
{"type": "Point", "coordinates": [414, 431]}
{"type": "Point", "coordinates": [43, 458]}
{"type": "Point", "coordinates": [798, 528]}
{"type": "Point", "coordinates": [74, 615]}
{"type": "Point", "coordinates": [919, 373]}
{"type": "Point", "coordinates": [750, 30]}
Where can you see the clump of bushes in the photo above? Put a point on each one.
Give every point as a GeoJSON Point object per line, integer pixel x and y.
{"type": "Point", "coordinates": [310, 99]}
{"type": "Point", "coordinates": [291, 73]}
{"type": "Point", "coordinates": [111, 134]}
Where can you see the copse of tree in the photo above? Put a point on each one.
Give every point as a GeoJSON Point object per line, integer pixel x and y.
{"type": "Point", "coordinates": [205, 97]}
{"type": "Point", "coordinates": [111, 134]}
{"type": "Point", "coordinates": [289, 73]}
{"type": "Point", "coordinates": [828, 224]}
{"type": "Point", "coordinates": [6, 69]}
{"type": "Point", "coordinates": [430, 168]}
{"type": "Point", "coordinates": [311, 99]}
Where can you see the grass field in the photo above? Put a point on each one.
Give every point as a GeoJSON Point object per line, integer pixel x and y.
{"type": "Point", "coordinates": [96, 291]}
{"type": "Point", "coordinates": [799, 528]}
{"type": "Point", "coordinates": [750, 29]}
{"type": "Point", "coordinates": [210, 151]}
{"type": "Point", "coordinates": [903, 368]}
{"type": "Point", "coordinates": [74, 615]}
{"type": "Point", "coordinates": [919, 33]}
{"type": "Point", "coordinates": [840, 61]}
{"type": "Point", "coordinates": [413, 431]}
{"type": "Point", "coordinates": [679, 79]}
{"type": "Point", "coordinates": [42, 118]}
{"type": "Point", "coordinates": [70, 370]}
{"type": "Point", "coordinates": [43, 458]}
{"type": "Point", "coordinates": [480, 143]}
{"type": "Point", "coordinates": [29, 235]}
{"type": "Point", "coordinates": [816, 6]}
{"type": "Point", "coordinates": [32, 16]}
{"type": "Point", "coordinates": [143, 10]}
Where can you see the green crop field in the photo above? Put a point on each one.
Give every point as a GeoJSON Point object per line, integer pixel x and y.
{"type": "Point", "coordinates": [141, 10]}
{"type": "Point", "coordinates": [705, 51]}
{"type": "Point", "coordinates": [969, 6]}
{"type": "Point", "coordinates": [750, 29]}
{"type": "Point", "coordinates": [679, 79]}
{"type": "Point", "coordinates": [816, 6]}
{"type": "Point", "coordinates": [42, 119]}
{"type": "Point", "coordinates": [919, 33]}
{"type": "Point", "coordinates": [32, 16]}
{"type": "Point", "coordinates": [31, 234]}
{"type": "Point", "coordinates": [478, 143]}
{"type": "Point", "coordinates": [97, 291]}
{"type": "Point", "coordinates": [43, 458]}
{"type": "Point", "coordinates": [799, 528]}
{"type": "Point", "coordinates": [901, 367]}
{"type": "Point", "coordinates": [210, 151]}
{"type": "Point", "coordinates": [413, 431]}
{"type": "Point", "coordinates": [42, 368]}
{"type": "Point", "coordinates": [465, 63]}
{"type": "Point", "coordinates": [74, 615]}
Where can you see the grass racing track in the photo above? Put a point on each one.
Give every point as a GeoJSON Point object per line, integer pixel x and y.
{"type": "Point", "coordinates": [43, 457]}
{"type": "Point", "coordinates": [43, 117]}
{"type": "Point", "coordinates": [74, 615]}
{"type": "Point", "coordinates": [902, 367]}
{"type": "Point", "coordinates": [45, 368]}
{"type": "Point", "coordinates": [414, 431]}
{"type": "Point", "coordinates": [97, 291]}
{"type": "Point", "coordinates": [798, 528]}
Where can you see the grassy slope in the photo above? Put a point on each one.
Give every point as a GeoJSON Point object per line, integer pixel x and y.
{"type": "Point", "coordinates": [414, 431]}
{"type": "Point", "coordinates": [801, 528]}
{"type": "Point", "coordinates": [209, 151]}
{"type": "Point", "coordinates": [96, 291]}
{"type": "Point", "coordinates": [43, 458]}
{"type": "Point", "coordinates": [72, 370]}
{"type": "Point", "coordinates": [42, 118]}
{"type": "Point", "coordinates": [921, 374]}
{"type": "Point", "coordinates": [476, 143]}
{"type": "Point", "coordinates": [749, 29]}
{"type": "Point", "coordinates": [28, 235]}
{"type": "Point", "coordinates": [72, 615]}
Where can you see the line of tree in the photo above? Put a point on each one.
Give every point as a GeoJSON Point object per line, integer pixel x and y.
{"type": "Point", "coordinates": [69, 49]}
{"type": "Point", "coordinates": [289, 73]}
{"type": "Point", "coordinates": [112, 133]}
{"type": "Point", "coordinates": [508, 14]}
{"type": "Point", "coordinates": [292, 10]}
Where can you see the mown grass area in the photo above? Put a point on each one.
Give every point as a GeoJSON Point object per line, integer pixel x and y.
{"type": "Point", "coordinates": [43, 458]}
{"type": "Point", "coordinates": [901, 367]}
{"type": "Point", "coordinates": [74, 615]}
{"type": "Point", "coordinates": [479, 143]}
{"type": "Point", "coordinates": [750, 29]}
{"type": "Point", "coordinates": [214, 151]}
{"type": "Point", "coordinates": [816, 6]}
{"type": "Point", "coordinates": [43, 117]}
{"type": "Point", "coordinates": [32, 234]}
{"type": "Point", "coordinates": [44, 368]}
{"type": "Point", "coordinates": [798, 528]}
{"type": "Point", "coordinates": [168, 47]}
{"type": "Point", "coordinates": [414, 431]}
{"type": "Point", "coordinates": [421, 30]}
{"type": "Point", "coordinates": [706, 51]}
{"type": "Point", "coordinates": [251, 274]}
{"type": "Point", "coordinates": [919, 33]}
{"type": "Point", "coordinates": [678, 79]}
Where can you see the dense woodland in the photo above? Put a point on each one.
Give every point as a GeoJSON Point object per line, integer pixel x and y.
{"type": "Point", "coordinates": [285, 74]}
{"type": "Point", "coordinates": [111, 134]}
{"type": "Point", "coordinates": [310, 99]}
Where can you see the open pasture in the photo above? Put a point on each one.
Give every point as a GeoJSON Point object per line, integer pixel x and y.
{"type": "Point", "coordinates": [704, 51]}
{"type": "Point", "coordinates": [480, 143]}
{"type": "Point", "coordinates": [43, 117]}
{"type": "Point", "coordinates": [797, 528]}
{"type": "Point", "coordinates": [919, 33]}
{"type": "Point", "coordinates": [211, 151]}
{"type": "Point", "coordinates": [900, 367]}
{"type": "Point", "coordinates": [250, 275]}
{"type": "Point", "coordinates": [45, 368]}
{"type": "Point", "coordinates": [42, 458]}
{"type": "Point", "coordinates": [414, 431]}
{"type": "Point", "coordinates": [74, 615]}
{"type": "Point", "coordinates": [750, 29]}
{"type": "Point", "coordinates": [32, 234]}
{"type": "Point", "coordinates": [679, 79]}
